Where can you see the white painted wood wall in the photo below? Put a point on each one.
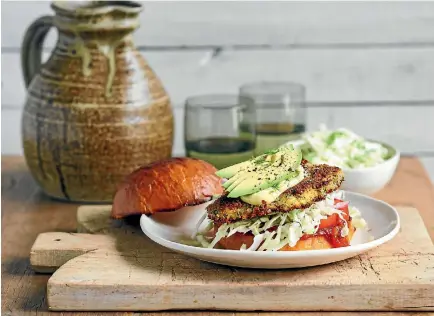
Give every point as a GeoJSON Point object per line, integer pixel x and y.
{"type": "Point", "coordinates": [366, 65]}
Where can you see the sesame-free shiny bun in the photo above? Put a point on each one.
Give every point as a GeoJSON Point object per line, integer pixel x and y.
{"type": "Point", "coordinates": [166, 186]}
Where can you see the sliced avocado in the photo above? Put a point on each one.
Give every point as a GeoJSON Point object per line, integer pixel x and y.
{"type": "Point", "coordinates": [233, 179]}
{"type": "Point", "coordinates": [272, 193]}
{"type": "Point", "coordinates": [248, 187]}
{"type": "Point", "coordinates": [241, 174]}
{"type": "Point", "coordinates": [230, 181]}
{"type": "Point", "coordinates": [239, 180]}
{"type": "Point", "coordinates": [253, 185]}
{"type": "Point", "coordinates": [271, 170]}
{"type": "Point", "coordinates": [254, 163]}
{"type": "Point", "coordinates": [232, 170]}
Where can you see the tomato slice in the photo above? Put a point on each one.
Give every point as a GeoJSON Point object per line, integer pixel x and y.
{"type": "Point", "coordinates": [343, 206]}
{"type": "Point", "coordinates": [333, 219]}
{"type": "Point", "coordinates": [330, 221]}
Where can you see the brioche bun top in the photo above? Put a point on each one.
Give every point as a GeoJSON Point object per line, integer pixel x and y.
{"type": "Point", "coordinates": [166, 186]}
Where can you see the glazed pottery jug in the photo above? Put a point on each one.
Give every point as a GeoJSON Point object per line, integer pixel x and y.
{"type": "Point", "coordinates": [95, 111]}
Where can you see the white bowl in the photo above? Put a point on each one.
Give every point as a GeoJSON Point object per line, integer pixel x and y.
{"type": "Point", "coordinates": [368, 180]}
{"type": "Point", "coordinates": [168, 229]}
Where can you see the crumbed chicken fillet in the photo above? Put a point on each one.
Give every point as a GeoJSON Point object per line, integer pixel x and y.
{"type": "Point", "coordinates": [319, 181]}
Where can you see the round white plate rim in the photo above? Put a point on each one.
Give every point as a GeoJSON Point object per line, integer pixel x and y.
{"type": "Point", "coordinates": [192, 250]}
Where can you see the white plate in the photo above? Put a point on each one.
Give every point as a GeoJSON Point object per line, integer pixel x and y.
{"type": "Point", "coordinates": [167, 229]}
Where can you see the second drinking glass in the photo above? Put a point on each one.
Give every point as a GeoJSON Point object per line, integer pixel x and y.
{"type": "Point", "coordinates": [280, 112]}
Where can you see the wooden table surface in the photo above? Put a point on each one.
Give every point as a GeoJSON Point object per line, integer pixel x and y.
{"type": "Point", "coordinates": [26, 212]}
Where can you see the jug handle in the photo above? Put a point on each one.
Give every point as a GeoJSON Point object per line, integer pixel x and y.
{"type": "Point", "coordinates": [31, 48]}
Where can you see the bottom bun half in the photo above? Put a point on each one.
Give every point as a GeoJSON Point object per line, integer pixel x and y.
{"type": "Point", "coordinates": [313, 242]}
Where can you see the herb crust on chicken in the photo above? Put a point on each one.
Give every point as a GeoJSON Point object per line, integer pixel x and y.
{"type": "Point", "coordinates": [319, 181]}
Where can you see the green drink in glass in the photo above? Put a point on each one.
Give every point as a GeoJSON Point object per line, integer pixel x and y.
{"type": "Point", "coordinates": [280, 112]}
{"type": "Point", "coordinates": [219, 129]}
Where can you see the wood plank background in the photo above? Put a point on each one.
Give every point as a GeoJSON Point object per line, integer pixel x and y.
{"type": "Point", "coordinates": [367, 66]}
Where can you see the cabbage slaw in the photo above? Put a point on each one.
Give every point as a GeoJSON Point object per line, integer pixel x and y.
{"type": "Point", "coordinates": [342, 148]}
{"type": "Point", "coordinates": [291, 226]}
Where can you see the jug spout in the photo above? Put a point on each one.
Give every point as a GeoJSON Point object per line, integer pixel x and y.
{"type": "Point", "coordinates": [87, 16]}
{"type": "Point", "coordinates": [92, 7]}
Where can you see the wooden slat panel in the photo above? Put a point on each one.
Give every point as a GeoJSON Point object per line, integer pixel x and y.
{"type": "Point", "coordinates": [428, 163]}
{"type": "Point", "coordinates": [171, 23]}
{"type": "Point", "coordinates": [408, 128]}
{"type": "Point", "coordinates": [330, 75]}
{"type": "Point", "coordinates": [11, 132]}
{"type": "Point", "coordinates": [13, 90]}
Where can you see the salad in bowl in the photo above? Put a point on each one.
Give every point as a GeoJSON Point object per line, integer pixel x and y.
{"type": "Point", "coordinates": [368, 165]}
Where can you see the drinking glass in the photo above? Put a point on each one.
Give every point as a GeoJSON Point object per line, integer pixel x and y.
{"type": "Point", "coordinates": [219, 129]}
{"type": "Point", "coordinates": [280, 112]}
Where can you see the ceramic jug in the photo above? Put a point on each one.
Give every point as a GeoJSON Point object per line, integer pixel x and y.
{"type": "Point", "coordinates": [95, 111]}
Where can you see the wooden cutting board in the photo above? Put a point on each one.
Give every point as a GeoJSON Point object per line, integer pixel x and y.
{"type": "Point", "coordinates": [110, 265]}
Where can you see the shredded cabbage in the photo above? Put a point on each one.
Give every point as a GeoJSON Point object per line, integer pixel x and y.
{"type": "Point", "coordinates": [289, 227]}
{"type": "Point", "coordinates": [342, 148]}
{"type": "Point", "coordinates": [356, 218]}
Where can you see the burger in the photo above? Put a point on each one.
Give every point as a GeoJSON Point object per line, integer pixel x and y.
{"type": "Point", "coordinates": [279, 202]}
{"type": "Point", "coordinates": [274, 202]}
